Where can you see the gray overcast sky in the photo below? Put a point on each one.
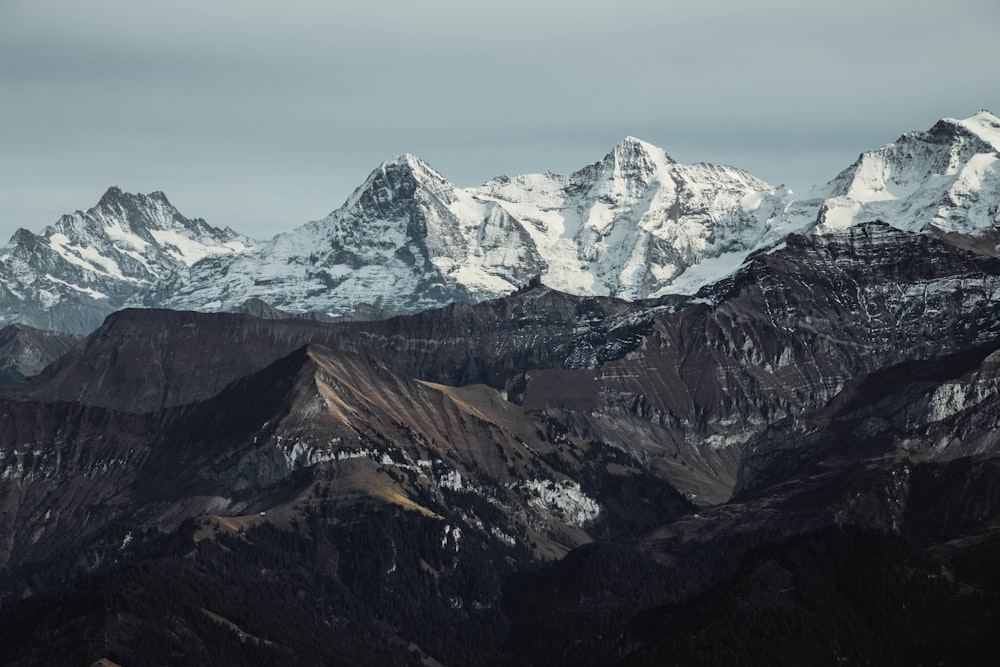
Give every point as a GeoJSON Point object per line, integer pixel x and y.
{"type": "Point", "coordinates": [264, 115]}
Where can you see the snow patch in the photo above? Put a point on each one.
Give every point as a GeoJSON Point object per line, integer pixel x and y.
{"type": "Point", "coordinates": [451, 481]}
{"type": "Point", "coordinates": [86, 257]}
{"type": "Point", "coordinates": [187, 250]}
{"type": "Point", "coordinates": [565, 499]}
{"type": "Point", "coordinates": [92, 293]}
{"type": "Point", "coordinates": [452, 535]}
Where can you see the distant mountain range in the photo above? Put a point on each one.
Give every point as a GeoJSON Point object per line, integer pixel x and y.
{"type": "Point", "coordinates": [633, 225]}
{"type": "Point", "coordinates": [91, 263]}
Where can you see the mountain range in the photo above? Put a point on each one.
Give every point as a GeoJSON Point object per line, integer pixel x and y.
{"type": "Point", "coordinates": [645, 413]}
{"type": "Point", "coordinates": [634, 225]}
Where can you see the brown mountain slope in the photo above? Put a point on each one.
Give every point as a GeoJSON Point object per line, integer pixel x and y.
{"type": "Point", "coordinates": [316, 428]}
{"type": "Point", "coordinates": [142, 360]}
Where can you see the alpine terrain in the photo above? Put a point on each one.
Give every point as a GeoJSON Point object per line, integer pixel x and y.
{"type": "Point", "coordinates": [645, 413]}
{"type": "Point", "coordinates": [90, 263]}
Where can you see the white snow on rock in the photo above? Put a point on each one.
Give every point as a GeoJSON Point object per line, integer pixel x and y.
{"type": "Point", "coordinates": [451, 481]}
{"type": "Point", "coordinates": [632, 223]}
{"type": "Point", "coordinates": [627, 226]}
{"type": "Point", "coordinates": [93, 262]}
{"type": "Point", "coordinates": [565, 499]}
{"type": "Point", "coordinates": [946, 178]}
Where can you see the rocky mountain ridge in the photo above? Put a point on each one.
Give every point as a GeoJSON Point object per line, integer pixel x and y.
{"type": "Point", "coordinates": [90, 263]}
{"type": "Point", "coordinates": [330, 481]}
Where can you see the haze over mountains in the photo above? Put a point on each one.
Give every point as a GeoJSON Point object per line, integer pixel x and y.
{"type": "Point", "coordinates": [644, 413]}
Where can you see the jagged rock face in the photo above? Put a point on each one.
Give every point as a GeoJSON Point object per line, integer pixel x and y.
{"type": "Point", "coordinates": [25, 351]}
{"type": "Point", "coordinates": [780, 337]}
{"type": "Point", "coordinates": [432, 447]}
{"type": "Point", "coordinates": [906, 455]}
{"type": "Point", "coordinates": [90, 263]}
{"type": "Point", "coordinates": [142, 361]}
{"type": "Point", "coordinates": [918, 411]}
{"type": "Point", "coordinates": [65, 471]}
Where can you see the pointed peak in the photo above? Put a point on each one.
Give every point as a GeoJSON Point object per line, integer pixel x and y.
{"type": "Point", "coordinates": [631, 150]}
{"type": "Point", "coordinates": [409, 162]}
{"type": "Point", "coordinates": [397, 176]}
{"type": "Point", "coordinates": [406, 161]}
{"type": "Point", "coordinates": [635, 141]}
{"type": "Point", "coordinates": [23, 237]}
{"type": "Point", "coordinates": [111, 195]}
{"type": "Point", "coordinates": [23, 234]}
{"type": "Point", "coordinates": [402, 160]}
{"type": "Point", "coordinates": [115, 194]}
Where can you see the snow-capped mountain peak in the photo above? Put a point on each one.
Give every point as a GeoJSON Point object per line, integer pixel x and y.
{"type": "Point", "coordinates": [145, 225]}
{"type": "Point", "coordinates": [114, 195]}
{"type": "Point", "coordinates": [630, 146]}
{"type": "Point", "coordinates": [629, 224]}
{"type": "Point", "coordinates": [407, 238]}
{"type": "Point", "coordinates": [394, 178]}
{"type": "Point", "coordinates": [411, 162]}
{"type": "Point", "coordinates": [633, 224]}
{"type": "Point", "coordinates": [922, 180]}
{"type": "Point", "coordinates": [635, 154]}
{"type": "Point", "coordinates": [91, 262]}
{"type": "Point", "coordinates": [982, 124]}
{"type": "Point", "coordinates": [631, 165]}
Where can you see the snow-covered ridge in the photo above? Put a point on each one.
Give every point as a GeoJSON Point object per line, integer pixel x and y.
{"type": "Point", "coordinates": [635, 224]}
{"type": "Point", "coordinates": [947, 178]}
{"type": "Point", "coordinates": [626, 226]}
{"type": "Point", "coordinates": [630, 224]}
{"type": "Point", "coordinates": [90, 263]}
{"type": "Point", "coordinates": [983, 124]}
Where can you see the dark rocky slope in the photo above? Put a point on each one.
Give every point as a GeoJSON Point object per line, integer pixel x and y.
{"type": "Point", "coordinates": [143, 360]}
{"type": "Point", "coordinates": [25, 351]}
